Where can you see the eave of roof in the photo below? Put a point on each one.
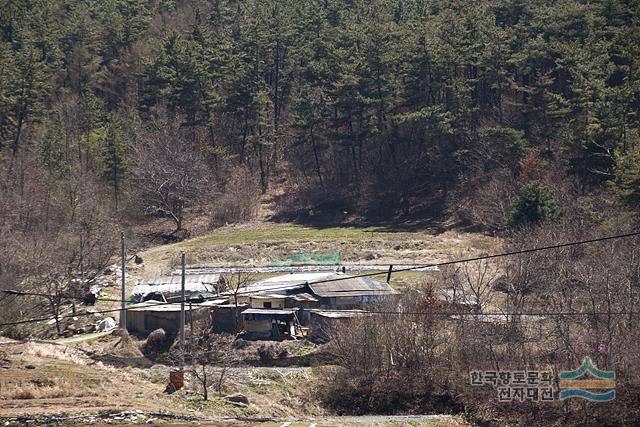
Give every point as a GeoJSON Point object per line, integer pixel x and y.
{"type": "Point", "coordinates": [267, 311]}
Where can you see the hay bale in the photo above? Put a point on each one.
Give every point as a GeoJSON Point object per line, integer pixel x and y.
{"type": "Point", "coordinates": [156, 342]}
{"type": "Point", "coordinates": [125, 346]}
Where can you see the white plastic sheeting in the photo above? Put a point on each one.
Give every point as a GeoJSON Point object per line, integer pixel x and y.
{"type": "Point", "coordinates": [106, 324]}
{"type": "Point", "coordinates": [170, 289]}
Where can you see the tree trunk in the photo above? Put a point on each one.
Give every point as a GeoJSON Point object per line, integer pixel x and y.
{"type": "Point", "coordinates": [205, 391]}
{"type": "Point", "coordinates": [317, 161]}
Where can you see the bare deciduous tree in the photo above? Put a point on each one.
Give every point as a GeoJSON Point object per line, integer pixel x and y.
{"type": "Point", "coordinates": [168, 174]}
{"type": "Point", "coordinates": [209, 358]}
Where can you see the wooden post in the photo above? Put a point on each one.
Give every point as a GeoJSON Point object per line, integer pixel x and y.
{"type": "Point", "coordinates": [182, 317]}
{"type": "Point", "coordinates": [123, 312]}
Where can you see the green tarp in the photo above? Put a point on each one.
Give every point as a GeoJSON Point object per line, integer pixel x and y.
{"type": "Point", "coordinates": [304, 259]}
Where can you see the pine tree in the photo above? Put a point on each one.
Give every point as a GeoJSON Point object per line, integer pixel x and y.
{"type": "Point", "coordinates": [114, 157]}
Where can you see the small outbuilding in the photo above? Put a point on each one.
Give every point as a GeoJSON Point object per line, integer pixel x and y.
{"type": "Point", "coordinates": [269, 324]}
{"type": "Point", "coordinates": [198, 287]}
{"type": "Point", "coordinates": [343, 292]}
{"type": "Point", "coordinates": [322, 323]}
{"type": "Point", "coordinates": [148, 316]}
{"type": "Point", "coordinates": [227, 318]}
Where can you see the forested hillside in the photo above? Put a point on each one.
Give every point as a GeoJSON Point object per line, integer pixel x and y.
{"type": "Point", "coordinates": [491, 113]}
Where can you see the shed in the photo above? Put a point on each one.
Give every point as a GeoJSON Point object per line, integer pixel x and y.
{"type": "Point", "coordinates": [227, 318]}
{"type": "Point", "coordinates": [148, 316]}
{"type": "Point", "coordinates": [322, 323]}
{"type": "Point", "coordinates": [329, 290]}
{"type": "Point", "coordinates": [341, 291]}
{"type": "Point", "coordinates": [169, 288]}
{"type": "Point", "coordinates": [269, 324]}
{"type": "Point", "coordinates": [286, 284]}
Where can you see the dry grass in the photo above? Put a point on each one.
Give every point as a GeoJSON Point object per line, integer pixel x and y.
{"type": "Point", "coordinates": [253, 243]}
{"type": "Point", "coordinates": [37, 389]}
{"type": "Point", "coordinates": [56, 352]}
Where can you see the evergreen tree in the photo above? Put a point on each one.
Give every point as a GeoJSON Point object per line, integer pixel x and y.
{"type": "Point", "coordinates": [114, 156]}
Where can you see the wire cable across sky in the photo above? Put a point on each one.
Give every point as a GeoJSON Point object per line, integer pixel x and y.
{"type": "Point", "coordinates": [412, 268]}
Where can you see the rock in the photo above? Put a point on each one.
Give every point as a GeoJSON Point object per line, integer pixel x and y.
{"type": "Point", "coordinates": [106, 324]}
{"type": "Point", "coordinates": [237, 398]}
{"type": "Point", "coordinates": [69, 331]}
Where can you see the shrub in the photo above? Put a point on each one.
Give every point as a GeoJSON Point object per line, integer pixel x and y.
{"type": "Point", "coordinates": [239, 202]}
{"type": "Point", "coordinates": [534, 204]}
{"type": "Point", "coordinates": [266, 353]}
{"type": "Point", "coordinates": [388, 363]}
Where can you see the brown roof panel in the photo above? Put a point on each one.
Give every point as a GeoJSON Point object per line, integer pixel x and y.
{"type": "Point", "coordinates": [354, 286]}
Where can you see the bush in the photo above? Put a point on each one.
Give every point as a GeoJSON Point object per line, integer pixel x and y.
{"type": "Point", "coordinates": [266, 353]}
{"type": "Point", "coordinates": [388, 362]}
{"type": "Point", "coordinates": [239, 202]}
{"type": "Point", "coordinates": [535, 204]}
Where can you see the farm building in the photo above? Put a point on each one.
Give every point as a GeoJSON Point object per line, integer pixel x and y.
{"type": "Point", "coordinates": [227, 318]}
{"type": "Point", "coordinates": [143, 318]}
{"type": "Point", "coordinates": [262, 323]}
{"type": "Point", "coordinates": [274, 308]}
{"type": "Point", "coordinates": [323, 322]}
{"type": "Point", "coordinates": [168, 288]}
{"type": "Point", "coordinates": [350, 292]}
{"type": "Point", "coordinates": [328, 290]}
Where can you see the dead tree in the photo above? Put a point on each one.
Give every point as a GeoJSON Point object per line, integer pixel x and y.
{"type": "Point", "coordinates": [168, 174]}
{"type": "Point", "coordinates": [209, 358]}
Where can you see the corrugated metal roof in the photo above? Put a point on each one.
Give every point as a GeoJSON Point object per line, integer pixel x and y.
{"type": "Point", "coordinates": [139, 292]}
{"type": "Point", "coordinates": [353, 286]}
{"type": "Point", "coordinates": [270, 287]}
{"type": "Point", "coordinates": [215, 302]}
{"type": "Point", "coordinates": [347, 286]}
{"type": "Point", "coordinates": [240, 305]}
{"type": "Point", "coordinates": [267, 311]}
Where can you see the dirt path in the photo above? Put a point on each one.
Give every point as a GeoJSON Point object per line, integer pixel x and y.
{"type": "Point", "coordinates": [80, 338]}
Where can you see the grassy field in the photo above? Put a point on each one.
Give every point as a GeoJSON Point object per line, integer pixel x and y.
{"type": "Point", "coordinates": [252, 244]}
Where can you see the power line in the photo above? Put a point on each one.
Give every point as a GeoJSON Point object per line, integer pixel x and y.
{"type": "Point", "coordinates": [61, 296]}
{"type": "Point", "coordinates": [412, 268]}
{"type": "Point", "coordinates": [500, 255]}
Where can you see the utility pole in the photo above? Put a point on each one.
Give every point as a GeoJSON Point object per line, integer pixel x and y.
{"type": "Point", "coordinates": [123, 313]}
{"type": "Point", "coordinates": [182, 316]}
